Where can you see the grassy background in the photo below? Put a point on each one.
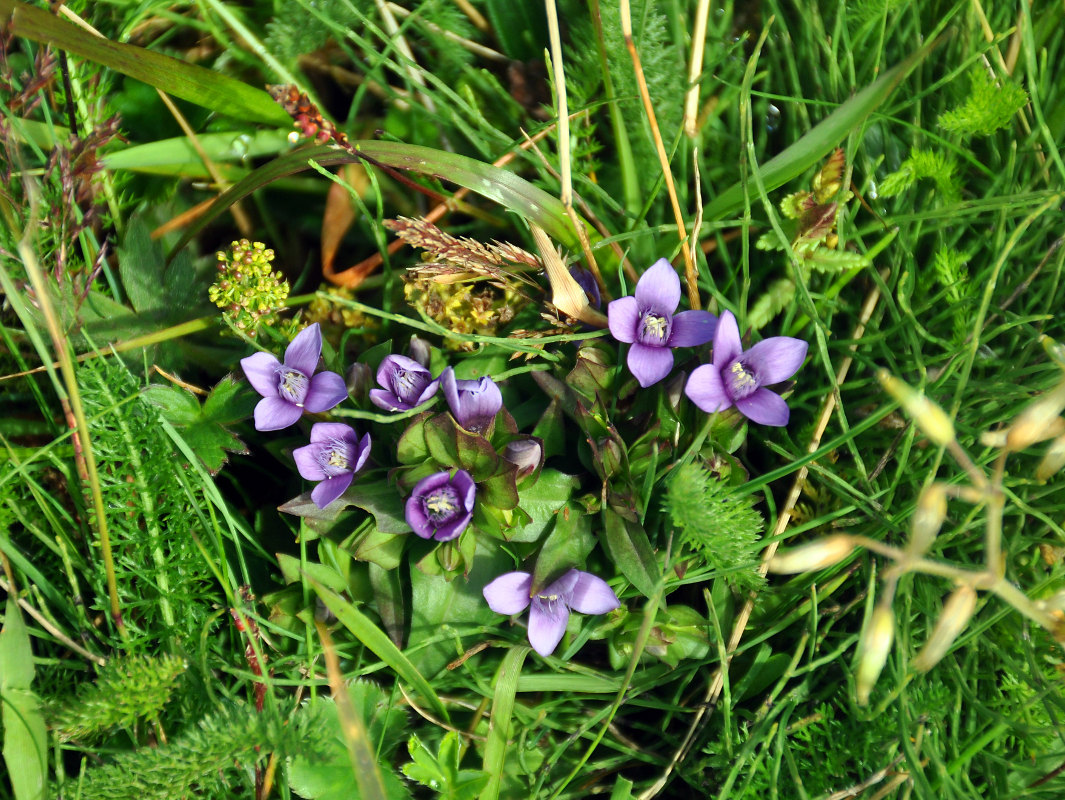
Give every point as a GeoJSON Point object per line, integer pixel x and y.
{"type": "Point", "coordinates": [964, 289]}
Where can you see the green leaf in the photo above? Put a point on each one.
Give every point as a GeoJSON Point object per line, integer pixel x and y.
{"type": "Point", "coordinates": [412, 447]}
{"type": "Point", "coordinates": [383, 549]}
{"type": "Point", "coordinates": [390, 602]}
{"type": "Point", "coordinates": [382, 500]}
{"type": "Point", "coordinates": [199, 85]}
{"type": "Point", "coordinates": [542, 501]}
{"type": "Point", "coordinates": [179, 156]}
{"type": "Point", "coordinates": [25, 736]}
{"type": "Point", "coordinates": [568, 545]}
{"type": "Point", "coordinates": [495, 183]}
{"type": "Point", "coordinates": [378, 643]}
{"type": "Point", "coordinates": [330, 777]}
{"type": "Point", "coordinates": [293, 570]}
{"type": "Point", "coordinates": [627, 545]}
{"type": "Point", "coordinates": [141, 264]}
{"type": "Point", "coordinates": [204, 427]}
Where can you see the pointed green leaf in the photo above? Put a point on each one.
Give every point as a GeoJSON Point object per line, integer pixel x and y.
{"type": "Point", "coordinates": [628, 547]}
{"type": "Point", "coordinates": [25, 736]}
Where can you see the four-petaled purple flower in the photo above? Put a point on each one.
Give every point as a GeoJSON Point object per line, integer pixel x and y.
{"type": "Point", "coordinates": [474, 404]}
{"type": "Point", "coordinates": [647, 321]}
{"type": "Point", "coordinates": [406, 383]}
{"type": "Point", "coordinates": [291, 388]}
{"type": "Point", "coordinates": [441, 505]}
{"type": "Point", "coordinates": [512, 593]}
{"type": "Point", "coordinates": [333, 457]}
{"type": "Point", "coordinates": [737, 377]}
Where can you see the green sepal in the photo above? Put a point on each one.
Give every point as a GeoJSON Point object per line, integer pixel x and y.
{"type": "Point", "coordinates": [500, 490]}
{"type": "Point", "coordinates": [412, 447]}
{"type": "Point", "coordinates": [453, 446]}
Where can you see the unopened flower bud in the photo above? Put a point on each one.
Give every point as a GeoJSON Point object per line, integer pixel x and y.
{"type": "Point", "coordinates": [610, 457]}
{"type": "Point", "coordinates": [1041, 420]}
{"type": "Point", "coordinates": [359, 379]}
{"type": "Point", "coordinates": [873, 650]}
{"type": "Point", "coordinates": [927, 518]}
{"type": "Point", "coordinates": [448, 556]}
{"type": "Point", "coordinates": [928, 416]}
{"type": "Point", "coordinates": [813, 556]}
{"type": "Point", "coordinates": [526, 454]}
{"type": "Point", "coordinates": [419, 350]}
{"type": "Point", "coordinates": [1053, 459]}
{"type": "Point", "coordinates": [957, 611]}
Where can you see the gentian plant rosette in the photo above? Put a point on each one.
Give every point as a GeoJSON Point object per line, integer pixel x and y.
{"type": "Point", "coordinates": [441, 505]}
{"type": "Point", "coordinates": [290, 388]}
{"type": "Point", "coordinates": [406, 384]}
{"type": "Point", "coordinates": [333, 457]}
{"type": "Point", "coordinates": [512, 593]}
{"type": "Point", "coordinates": [473, 403]}
{"type": "Point", "coordinates": [738, 377]}
{"type": "Point", "coordinates": [648, 323]}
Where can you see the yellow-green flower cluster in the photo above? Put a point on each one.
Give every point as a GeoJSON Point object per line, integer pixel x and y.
{"type": "Point", "coordinates": [331, 314]}
{"type": "Point", "coordinates": [247, 289]}
{"type": "Point", "coordinates": [464, 308]}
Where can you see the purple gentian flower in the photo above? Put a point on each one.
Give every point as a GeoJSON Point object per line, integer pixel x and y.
{"type": "Point", "coordinates": [648, 323]}
{"type": "Point", "coordinates": [406, 384]}
{"type": "Point", "coordinates": [289, 389]}
{"type": "Point", "coordinates": [474, 404]}
{"type": "Point", "coordinates": [441, 505]}
{"type": "Point", "coordinates": [333, 457]}
{"type": "Point", "coordinates": [737, 377]}
{"type": "Point", "coordinates": [511, 593]}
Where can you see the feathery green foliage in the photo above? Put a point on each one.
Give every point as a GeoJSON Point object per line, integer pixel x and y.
{"type": "Point", "coordinates": [717, 522]}
{"type": "Point", "coordinates": [991, 104]}
{"type": "Point", "coordinates": [940, 168]}
{"type": "Point", "coordinates": [127, 689]}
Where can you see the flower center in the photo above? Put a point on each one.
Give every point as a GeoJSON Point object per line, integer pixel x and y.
{"type": "Point", "coordinates": [407, 385]}
{"type": "Point", "coordinates": [292, 385]}
{"type": "Point", "coordinates": [550, 604]}
{"type": "Point", "coordinates": [441, 504]}
{"type": "Point", "coordinates": [741, 380]}
{"type": "Point", "coordinates": [654, 329]}
{"type": "Point", "coordinates": [336, 460]}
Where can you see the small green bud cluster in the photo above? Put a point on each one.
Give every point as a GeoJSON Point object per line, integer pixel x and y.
{"type": "Point", "coordinates": [248, 290]}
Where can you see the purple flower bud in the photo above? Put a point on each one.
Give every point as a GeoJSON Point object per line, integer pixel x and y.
{"type": "Point", "coordinates": [291, 388]}
{"type": "Point", "coordinates": [333, 457]}
{"type": "Point", "coordinates": [407, 384]}
{"type": "Point", "coordinates": [419, 350]}
{"type": "Point", "coordinates": [586, 280]}
{"type": "Point", "coordinates": [441, 505]}
{"type": "Point", "coordinates": [512, 593]}
{"type": "Point", "coordinates": [359, 377]}
{"type": "Point", "coordinates": [737, 377]}
{"type": "Point", "coordinates": [647, 321]}
{"type": "Point", "coordinates": [526, 454]}
{"type": "Point", "coordinates": [474, 404]}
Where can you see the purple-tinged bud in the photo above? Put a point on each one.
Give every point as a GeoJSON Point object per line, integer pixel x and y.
{"type": "Point", "coordinates": [419, 350]}
{"type": "Point", "coordinates": [526, 454]}
{"type": "Point", "coordinates": [359, 379]}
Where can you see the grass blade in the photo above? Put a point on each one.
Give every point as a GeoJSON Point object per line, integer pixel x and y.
{"type": "Point", "coordinates": [499, 726]}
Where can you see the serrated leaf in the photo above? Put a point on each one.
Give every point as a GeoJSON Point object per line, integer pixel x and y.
{"type": "Point", "coordinates": [179, 406]}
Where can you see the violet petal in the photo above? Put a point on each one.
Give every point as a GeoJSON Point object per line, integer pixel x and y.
{"type": "Point", "coordinates": [416, 517]}
{"type": "Point", "coordinates": [562, 586]}
{"type": "Point", "coordinates": [622, 316]}
{"type": "Point", "coordinates": [309, 460]}
{"type": "Point", "coordinates": [261, 370]}
{"type": "Point", "coordinates": [547, 629]}
{"type": "Point", "coordinates": [388, 401]}
{"type": "Point", "coordinates": [649, 364]}
{"type": "Point", "coordinates": [765, 408]}
{"type": "Point", "coordinates": [658, 288]}
{"type": "Point", "coordinates": [452, 529]}
{"type": "Point", "coordinates": [330, 489]}
{"type": "Point", "coordinates": [328, 431]}
{"type": "Point", "coordinates": [327, 389]}
{"type": "Point", "coordinates": [775, 359]}
{"type": "Point", "coordinates": [305, 350]}
{"type": "Point", "coordinates": [692, 328]}
{"type": "Point", "coordinates": [509, 593]}
{"type": "Point", "coordinates": [363, 453]}
{"type": "Point", "coordinates": [592, 595]}
{"type": "Point", "coordinates": [706, 389]}
{"type": "Point", "coordinates": [727, 345]}
{"type": "Point", "coordinates": [273, 414]}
